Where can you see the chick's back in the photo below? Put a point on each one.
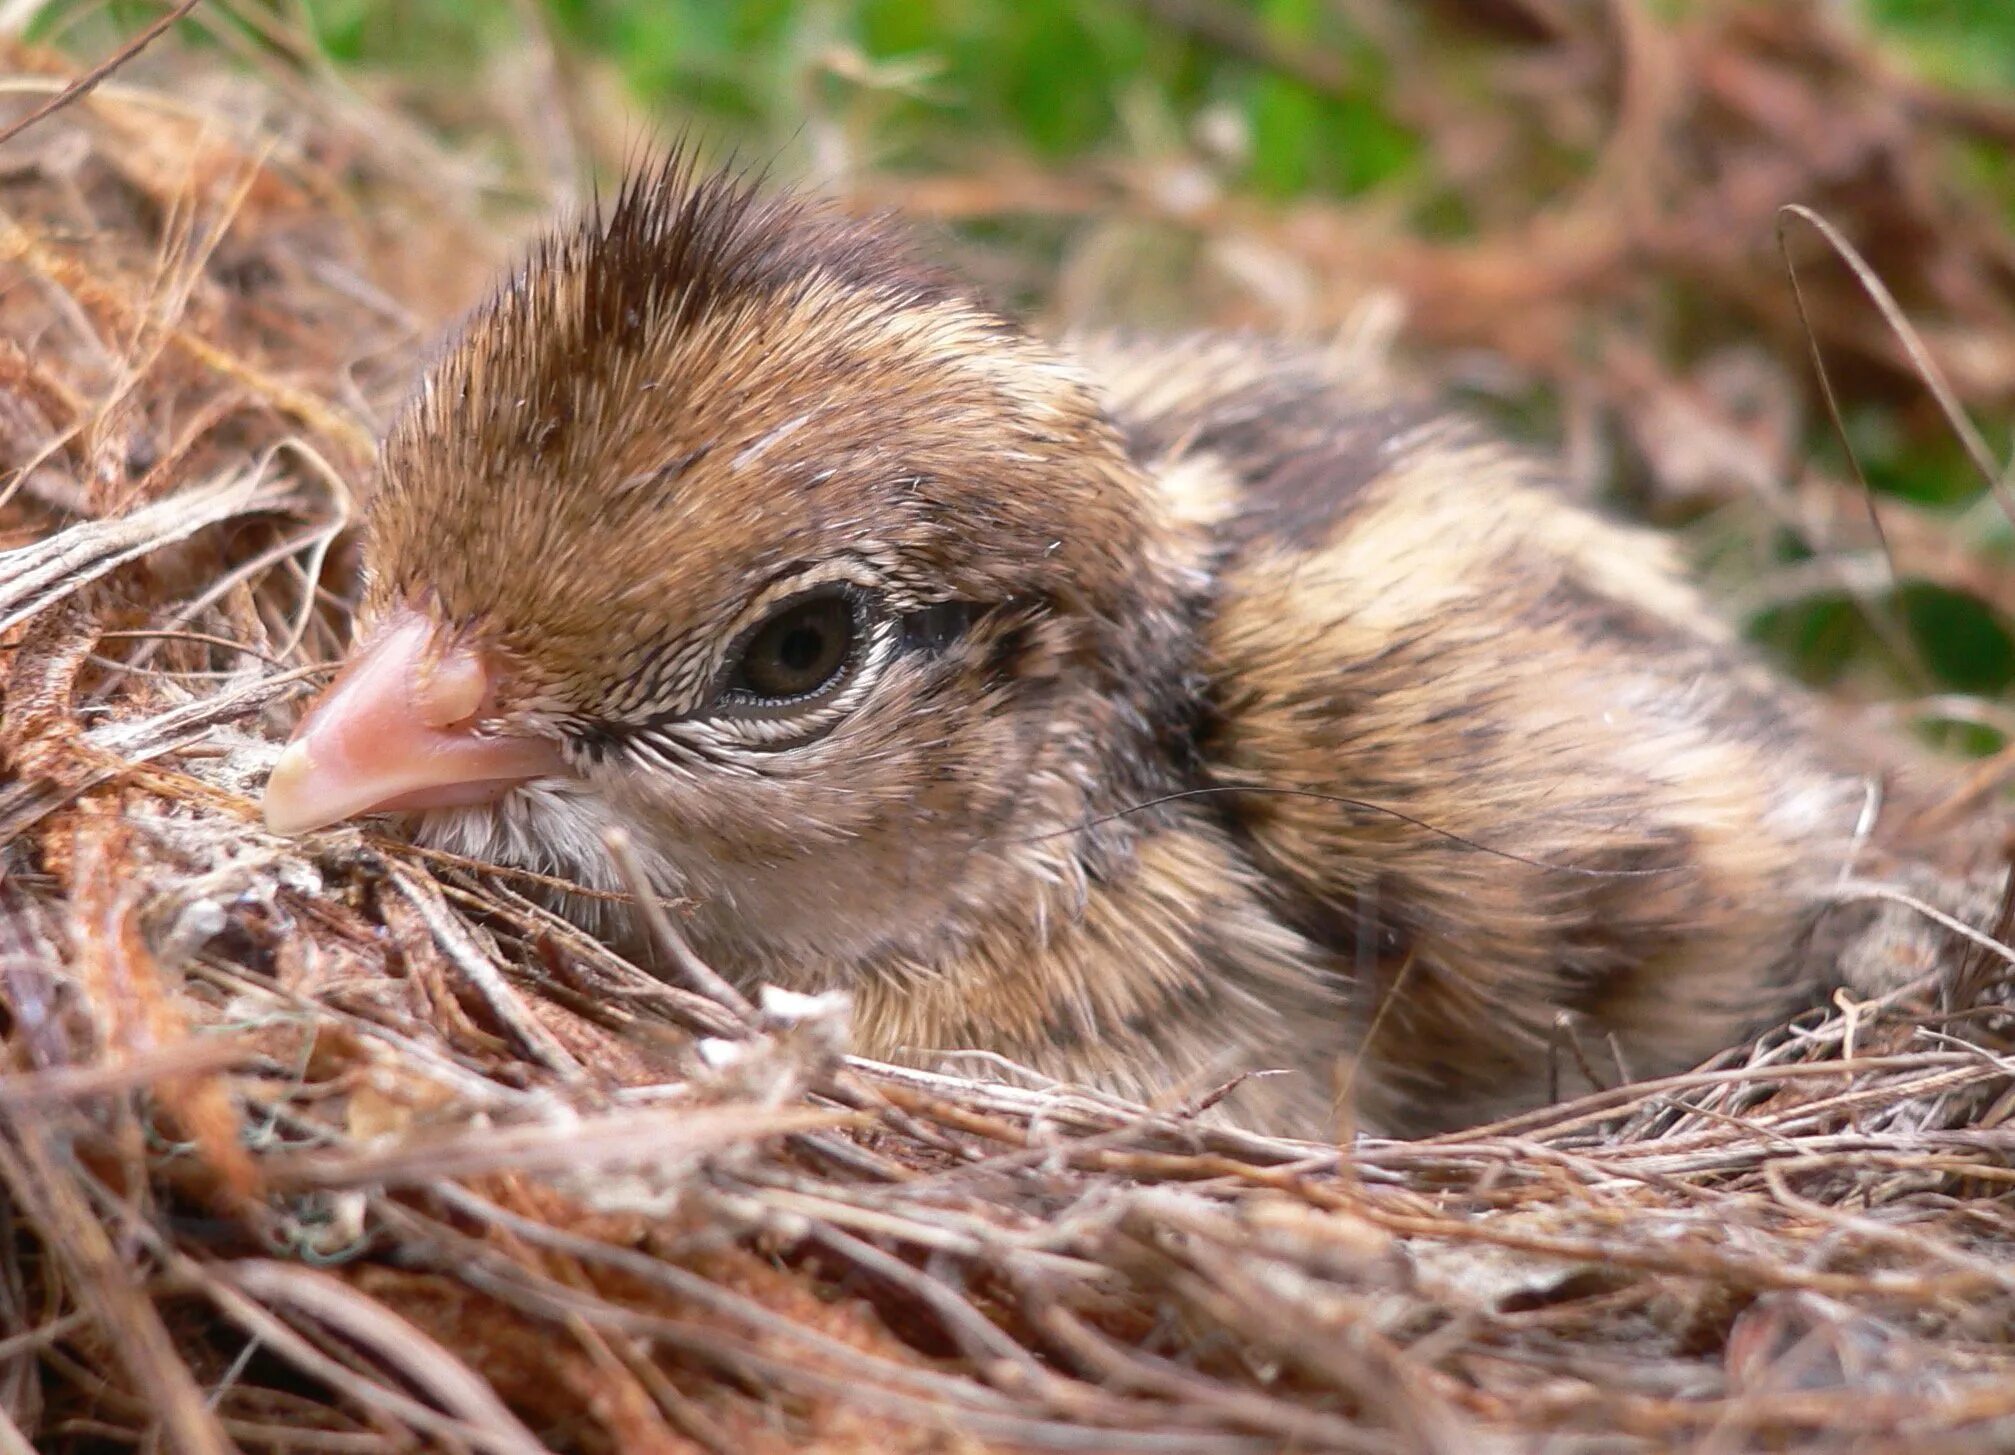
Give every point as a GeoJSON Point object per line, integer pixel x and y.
{"type": "Point", "coordinates": [1495, 753]}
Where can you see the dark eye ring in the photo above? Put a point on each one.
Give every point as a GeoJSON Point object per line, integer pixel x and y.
{"type": "Point", "coordinates": [797, 653]}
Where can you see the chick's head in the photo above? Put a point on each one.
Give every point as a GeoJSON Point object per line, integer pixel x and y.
{"type": "Point", "coordinates": [727, 522]}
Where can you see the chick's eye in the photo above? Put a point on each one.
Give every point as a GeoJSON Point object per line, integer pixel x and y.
{"type": "Point", "coordinates": [800, 650]}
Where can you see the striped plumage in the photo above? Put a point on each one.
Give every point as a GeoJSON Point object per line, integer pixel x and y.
{"type": "Point", "coordinates": [1097, 605]}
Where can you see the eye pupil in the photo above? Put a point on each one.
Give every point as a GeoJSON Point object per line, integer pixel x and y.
{"type": "Point", "coordinates": [802, 647]}
{"type": "Point", "coordinates": [800, 650]}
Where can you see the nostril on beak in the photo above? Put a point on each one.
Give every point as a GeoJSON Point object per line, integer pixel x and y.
{"type": "Point", "coordinates": [452, 687]}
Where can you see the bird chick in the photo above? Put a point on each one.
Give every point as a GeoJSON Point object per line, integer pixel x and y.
{"type": "Point", "coordinates": [1147, 713]}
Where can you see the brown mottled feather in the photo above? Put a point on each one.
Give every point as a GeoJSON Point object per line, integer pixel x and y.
{"type": "Point", "coordinates": [1120, 572]}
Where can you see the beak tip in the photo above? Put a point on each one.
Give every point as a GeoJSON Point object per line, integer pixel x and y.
{"type": "Point", "coordinates": [288, 808]}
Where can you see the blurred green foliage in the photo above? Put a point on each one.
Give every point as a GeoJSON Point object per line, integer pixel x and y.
{"type": "Point", "coordinates": [1054, 77]}
{"type": "Point", "coordinates": [1965, 42]}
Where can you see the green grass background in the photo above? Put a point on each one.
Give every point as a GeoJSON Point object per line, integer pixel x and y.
{"type": "Point", "coordinates": [1055, 77]}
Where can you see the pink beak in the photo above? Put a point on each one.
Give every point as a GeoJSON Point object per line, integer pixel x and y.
{"type": "Point", "coordinates": [397, 730]}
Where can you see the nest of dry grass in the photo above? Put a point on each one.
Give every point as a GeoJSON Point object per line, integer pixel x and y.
{"type": "Point", "coordinates": [350, 1147]}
